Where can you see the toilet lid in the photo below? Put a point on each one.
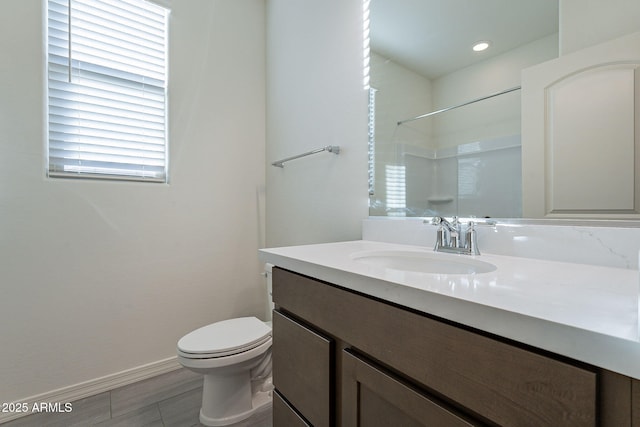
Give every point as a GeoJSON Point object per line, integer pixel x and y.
{"type": "Point", "coordinates": [225, 336]}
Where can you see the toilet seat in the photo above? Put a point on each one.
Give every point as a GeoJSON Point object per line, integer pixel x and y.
{"type": "Point", "coordinates": [224, 338]}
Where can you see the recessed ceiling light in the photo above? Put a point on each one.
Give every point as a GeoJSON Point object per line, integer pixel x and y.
{"type": "Point", "coordinates": [480, 46]}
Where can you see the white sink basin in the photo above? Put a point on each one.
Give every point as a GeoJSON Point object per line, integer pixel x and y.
{"type": "Point", "coordinates": [423, 262]}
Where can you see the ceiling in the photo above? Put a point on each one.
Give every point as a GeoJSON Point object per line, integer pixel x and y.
{"type": "Point", "coordinates": [434, 37]}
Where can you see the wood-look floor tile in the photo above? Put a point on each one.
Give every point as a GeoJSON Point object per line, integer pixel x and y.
{"type": "Point", "coordinates": [84, 412]}
{"type": "Point", "coordinates": [262, 418]}
{"type": "Point", "coordinates": [170, 400]}
{"type": "Point", "coordinates": [182, 410]}
{"type": "Point", "coordinates": [145, 417]}
{"type": "Point", "coordinates": [144, 393]}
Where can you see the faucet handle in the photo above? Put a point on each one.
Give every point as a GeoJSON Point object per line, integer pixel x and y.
{"type": "Point", "coordinates": [442, 234]}
{"type": "Point", "coordinates": [436, 220]}
{"type": "Point", "coordinates": [442, 237]}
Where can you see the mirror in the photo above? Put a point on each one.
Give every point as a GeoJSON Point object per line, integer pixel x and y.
{"type": "Point", "coordinates": [465, 160]}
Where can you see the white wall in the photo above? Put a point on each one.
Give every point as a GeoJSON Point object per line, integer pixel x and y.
{"type": "Point", "coordinates": [100, 277]}
{"type": "Point", "coordinates": [400, 94]}
{"type": "Point", "coordinates": [494, 117]}
{"type": "Point", "coordinates": [315, 98]}
{"type": "Point", "coordinates": [585, 23]}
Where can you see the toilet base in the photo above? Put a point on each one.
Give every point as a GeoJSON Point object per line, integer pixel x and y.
{"type": "Point", "coordinates": [260, 400]}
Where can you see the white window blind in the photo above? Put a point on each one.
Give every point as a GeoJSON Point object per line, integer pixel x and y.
{"type": "Point", "coordinates": [396, 183]}
{"type": "Point", "coordinates": [107, 89]}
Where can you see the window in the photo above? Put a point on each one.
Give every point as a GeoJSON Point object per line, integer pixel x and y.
{"type": "Point", "coordinates": [107, 91]}
{"type": "Point", "coordinates": [396, 183]}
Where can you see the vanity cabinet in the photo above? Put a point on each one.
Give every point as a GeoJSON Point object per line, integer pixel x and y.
{"type": "Point", "coordinates": [341, 358]}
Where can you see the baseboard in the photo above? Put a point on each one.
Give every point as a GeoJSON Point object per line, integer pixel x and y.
{"type": "Point", "coordinates": [98, 385]}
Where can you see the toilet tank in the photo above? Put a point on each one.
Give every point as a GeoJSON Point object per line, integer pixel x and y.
{"type": "Point", "coordinates": [269, 287]}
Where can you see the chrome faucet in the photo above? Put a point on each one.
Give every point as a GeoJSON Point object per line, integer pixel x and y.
{"type": "Point", "coordinates": [448, 237]}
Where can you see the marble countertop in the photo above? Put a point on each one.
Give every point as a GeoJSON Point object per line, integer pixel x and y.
{"type": "Point", "coordinates": [585, 312]}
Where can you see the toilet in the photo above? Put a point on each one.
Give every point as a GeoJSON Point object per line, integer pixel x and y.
{"type": "Point", "coordinates": [234, 356]}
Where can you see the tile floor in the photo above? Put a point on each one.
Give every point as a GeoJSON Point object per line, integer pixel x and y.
{"type": "Point", "coordinates": [168, 400]}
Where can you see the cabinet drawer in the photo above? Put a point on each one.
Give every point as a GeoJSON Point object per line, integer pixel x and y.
{"type": "Point", "coordinates": [500, 382]}
{"type": "Point", "coordinates": [374, 398]}
{"type": "Point", "coordinates": [285, 415]}
{"type": "Point", "coordinates": [302, 369]}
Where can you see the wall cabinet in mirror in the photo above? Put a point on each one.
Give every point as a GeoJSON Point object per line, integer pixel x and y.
{"type": "Point", "coordinates": [581, 133]}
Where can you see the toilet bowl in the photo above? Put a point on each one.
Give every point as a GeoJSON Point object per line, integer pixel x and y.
{"type": "Point", "coordinates": [235, 358]}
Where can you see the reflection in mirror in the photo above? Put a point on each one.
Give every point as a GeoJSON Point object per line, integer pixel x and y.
{"type": "Point", "coordinates": [465, 161]}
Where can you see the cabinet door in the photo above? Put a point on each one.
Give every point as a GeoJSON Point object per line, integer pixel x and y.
{"type": "Point", "coordinates": [285, 415]}
{"type": "Point", "coordinates": [581, 133]}
{"type": "Point", "coordinates": [302, 370]}
{"type": "Point", "coordinates": [374, 398]}
{"type": "Point", "coordinates": [635, 403]}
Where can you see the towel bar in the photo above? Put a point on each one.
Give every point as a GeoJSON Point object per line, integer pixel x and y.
{"type": "Point", "coordinates": [330, 148]}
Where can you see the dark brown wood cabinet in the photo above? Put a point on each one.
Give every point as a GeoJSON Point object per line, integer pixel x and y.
{"type": "Point", "coordinates": [285, 415]}
{"type": "Point", "coordinates": [304, 361]}
{"type": "Point", "coordinates": [372, 397]}
{"type": "Point", "coordinates": [345, 359]}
